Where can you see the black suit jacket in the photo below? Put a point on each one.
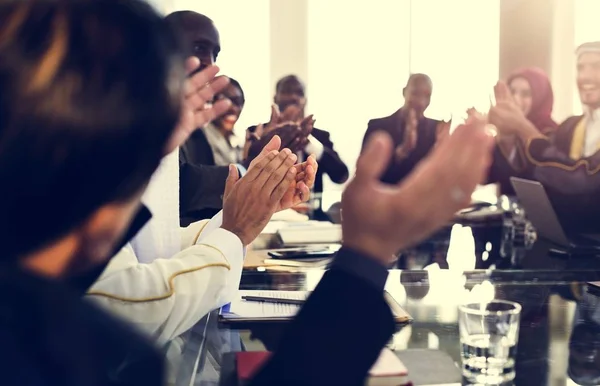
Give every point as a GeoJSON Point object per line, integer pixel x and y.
{"type": "Point", "coordinates": [335, 338]}
{"type": "Point", "coordinates": [201, 183]}
{"type": "Point", "coordinates": [50, 336]}
{"type": "Point", "coordinates": [395, 126]}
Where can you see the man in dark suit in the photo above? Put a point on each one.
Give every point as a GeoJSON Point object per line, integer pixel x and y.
{"type": "Point", "coordinates": [290, 99]}
{"type": "Point", "coordinates": [413, 134]}
{"type": "Point", "coordinates": [288, 107]}
{"type": "Point", "coordinates": [201, 186]}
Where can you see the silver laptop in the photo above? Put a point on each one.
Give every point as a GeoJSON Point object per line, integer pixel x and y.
{"type": "Point", "coordinates": [539, 211]}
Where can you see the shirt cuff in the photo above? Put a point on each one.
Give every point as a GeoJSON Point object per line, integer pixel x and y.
{"type": "Point", "coordinates": [215, 225]}
{"type": "Point", "coordinates": [314, 147]}
{"type": "Point", "coordinates": [364, 267]}
{"type": "Point", "coordinates": [226, 242]}
{"type": "Point", "coordinates": [241, 169]}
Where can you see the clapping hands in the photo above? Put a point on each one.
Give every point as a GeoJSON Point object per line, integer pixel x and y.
{"type": "Point", "coordinates": [381, 219]}
{"type": "Point", "coordinates": [199, 90]}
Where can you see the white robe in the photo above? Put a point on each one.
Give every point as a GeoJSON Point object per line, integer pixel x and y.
{"type": "Point", "coordinates": [167, 278]}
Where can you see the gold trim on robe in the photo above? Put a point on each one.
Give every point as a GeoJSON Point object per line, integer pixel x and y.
{"type": "Point", "coordinates": [578, 141]}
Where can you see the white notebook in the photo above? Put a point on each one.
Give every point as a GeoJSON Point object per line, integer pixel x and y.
{"type": "Point", "coordinates": [311, 233]}
{"type": "Point", "coordinates": [242, 310]}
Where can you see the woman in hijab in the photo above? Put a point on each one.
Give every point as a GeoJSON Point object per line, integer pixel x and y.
{"type": "Point", "coordinates": [532, 91]}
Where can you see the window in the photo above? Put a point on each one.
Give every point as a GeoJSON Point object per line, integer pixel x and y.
{"type": "Point", "coordinates": [357, 66]}
{"type": "Point", "coordinates": [586, 30]}
{"type": "Point", "coordinates": [457, 44]}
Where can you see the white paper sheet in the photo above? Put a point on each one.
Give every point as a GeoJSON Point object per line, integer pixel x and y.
{"type": "Point", "coordinates": [239, 308]}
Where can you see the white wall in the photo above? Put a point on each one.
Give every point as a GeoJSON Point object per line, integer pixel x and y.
{"type": "Point", "coordinates": [456, 43]}
{"type": "Point", "coordinates": [357, 65]}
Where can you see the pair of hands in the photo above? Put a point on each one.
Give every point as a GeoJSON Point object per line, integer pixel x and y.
{"type": "Point", "coordinates": [274, 182]}
{"type": "Point", "coordinates": [289, 126]}
{"type": "Point", "coordinates": [411, 135]}
{"type": "Point", "coordinates": [508, 117]}
{"type": "Point", "coordinates": [379, 219]}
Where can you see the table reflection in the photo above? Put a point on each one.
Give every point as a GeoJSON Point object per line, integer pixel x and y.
{"type": "Point", "coordinates": [559, 338]}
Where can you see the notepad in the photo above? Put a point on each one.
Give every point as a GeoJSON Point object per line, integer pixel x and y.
{"type": "Point", "coordinates": [242, 310]}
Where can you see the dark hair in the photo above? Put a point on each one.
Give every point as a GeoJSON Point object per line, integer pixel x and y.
{"type": "Point", "coordinates": [237, 85]}
{"type": "Point", "coordinates": [286, 79]}
{"type": "Point", "coordinates": [90, 93]}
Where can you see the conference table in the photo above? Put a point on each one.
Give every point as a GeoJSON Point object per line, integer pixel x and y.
{"type": "Point", "coordinates": [499, 258]}
{"type": "Point", "coordinates": [557, 344]}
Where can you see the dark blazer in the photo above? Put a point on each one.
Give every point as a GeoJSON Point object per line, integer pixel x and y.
{"type": "Point", "coordinates": [330, 162]}
{"type": "Point", "coordinates": [395, 125]}
{"type": "Point", "coordinates": [335, 338]}
{"type": "Point", "coordinates": [50, 336]}
{"type": "Point", "coordinates": [201, 183]}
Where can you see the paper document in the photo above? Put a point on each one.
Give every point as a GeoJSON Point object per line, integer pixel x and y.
{"type": "Point", "coordinates": [252, 310]}
{"type": "Point", "coordinates": [242, 309]}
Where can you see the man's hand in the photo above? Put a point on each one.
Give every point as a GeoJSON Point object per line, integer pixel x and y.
{"type": "Point", "coordinates": [306, 172]}
{"type": "Point", "coordinates": [379, 219]}
{"type": "Point", "coordinates": [250, 202]}
{"type": "Point", "coordinates": [442, 131]}
{"type": "Point", "coordinates": [299, 190]}
{"type": "Point", "coordinates": [508, 117]}
{"type": "Point", "coordinates": [199, 90]}
{"type": "Point", "coordinates": [409, 141]}
{"type": "Point", "coordinates": [291, 114]}
{"type": "Point", "coordinates": [293, 136]}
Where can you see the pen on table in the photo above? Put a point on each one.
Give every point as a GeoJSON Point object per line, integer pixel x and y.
{"type": "Point", "coordinates": [298, 302]}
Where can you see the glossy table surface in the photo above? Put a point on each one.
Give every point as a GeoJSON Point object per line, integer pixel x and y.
{"type": "Point", "coordinates": [497, 258]}
{"type": "Point", "coordinates": [559, 341]}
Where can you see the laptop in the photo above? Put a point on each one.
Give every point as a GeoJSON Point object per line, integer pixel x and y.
{"type": "Point", "coordinates": [539, 211]}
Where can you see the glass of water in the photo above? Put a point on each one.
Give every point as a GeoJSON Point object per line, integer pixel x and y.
{"type": "Point", "coordinates": [489, 334]}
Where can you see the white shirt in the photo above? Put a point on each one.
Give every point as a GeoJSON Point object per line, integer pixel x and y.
{"type": "Point", "coordinates": [592, 133]}
{"type": "Point", "coordinates": [315, 147]}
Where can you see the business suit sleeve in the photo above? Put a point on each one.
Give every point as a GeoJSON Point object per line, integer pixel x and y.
{"type": "Point", "coordinates": [338, 334]}
{"type": "Point", "coordinates": [370, 130]}
{"type": "Point", "coordinates": [201, 187]}
{"type": "Point", "coordinates": [330, 161]}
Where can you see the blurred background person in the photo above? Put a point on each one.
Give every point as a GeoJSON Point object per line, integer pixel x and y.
{"type": "Point", "coordinates": [221, 146]}
{"type": "Point", "coordinates": [532, 92]}
{"type": "Point", "coordinates": [414, 135]}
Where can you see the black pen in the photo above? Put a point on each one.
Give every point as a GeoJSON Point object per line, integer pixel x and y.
{"type": "Point", "coordinates": [297, 302]}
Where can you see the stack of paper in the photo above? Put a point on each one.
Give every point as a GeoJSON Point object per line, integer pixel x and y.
{"type": "Point", "coordinates": [311, 232]}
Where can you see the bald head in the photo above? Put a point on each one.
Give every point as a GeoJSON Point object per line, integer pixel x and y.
{"type": "Point", "coordinates": [417, 93]}
{"type": "Point", "coordinates": [198, 34]}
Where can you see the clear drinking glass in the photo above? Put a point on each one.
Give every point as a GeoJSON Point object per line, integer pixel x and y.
{"type": "Point", "coordinates": [489, 334]}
